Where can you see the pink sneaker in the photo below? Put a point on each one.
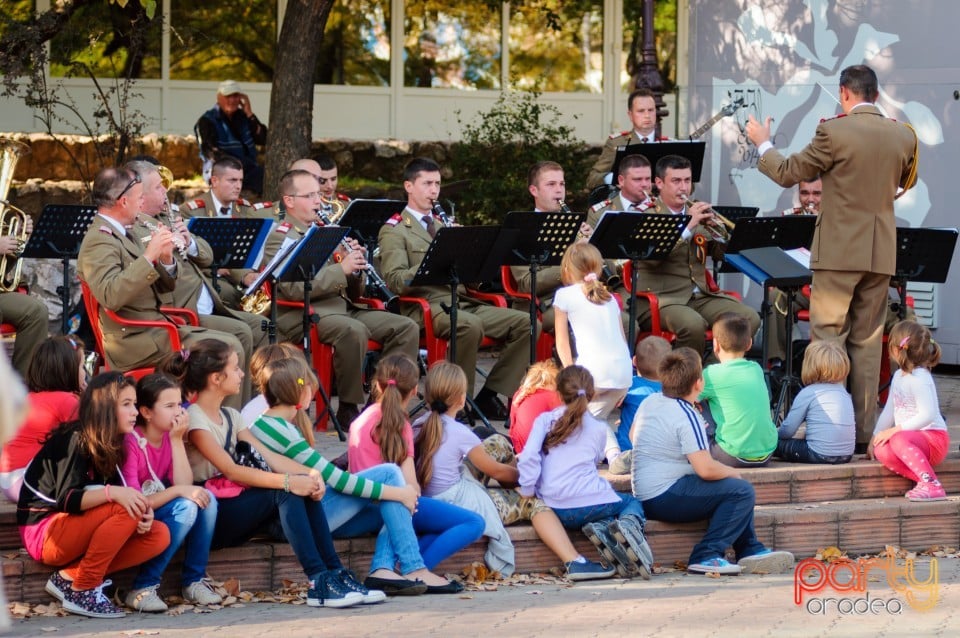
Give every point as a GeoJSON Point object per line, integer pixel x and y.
{"type": "Point", "coordinates": [927, 492]}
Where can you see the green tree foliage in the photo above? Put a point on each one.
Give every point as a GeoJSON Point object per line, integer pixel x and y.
{"type": "Point", "coordinates": [498, 148]}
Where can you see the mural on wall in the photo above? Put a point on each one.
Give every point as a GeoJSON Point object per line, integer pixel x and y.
{"type": "Point", "coordinates": [785, 60]}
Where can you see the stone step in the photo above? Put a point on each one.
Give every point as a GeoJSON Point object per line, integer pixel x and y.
{"type": "Point", "coordinates": [857, 526]}
{"type": "Point", "coordinates": [798, 483]}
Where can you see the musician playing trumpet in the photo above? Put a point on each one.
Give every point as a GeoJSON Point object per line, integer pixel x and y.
{"type": "Point", "coordinates": [687, 305]}
{"type": "Point", "coordinates": [808, 194]}
{"type": "Point", "coordinates": [341, 324]}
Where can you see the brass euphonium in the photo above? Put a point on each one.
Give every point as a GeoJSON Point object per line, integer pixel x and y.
{"type": "Point", "coordinates": [13, 221]}
{"type": "Point", "coordinates": [257, 303]}
{"type": "Point", "coordinates": [718, 227]}
{"type": "Point", "coordinates": [334, 209]}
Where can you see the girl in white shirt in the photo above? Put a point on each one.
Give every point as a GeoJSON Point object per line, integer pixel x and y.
{"type": "Point", "coordinates": [911, 437]}
{"type": "Point", "coordinates": [594, 316]}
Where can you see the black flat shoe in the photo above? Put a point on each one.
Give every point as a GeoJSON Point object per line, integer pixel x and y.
{"type": "Point", "coordinates": [453, 587]}
{"type": "Point", "coordinates": [396, 586]}
{"type": "Point", "coordinates": [492, 407]}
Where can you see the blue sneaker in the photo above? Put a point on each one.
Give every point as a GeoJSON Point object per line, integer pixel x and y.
{"type": "Point", "coordinates": [715, 566]}
{"type": "Point", "coordinates": [348, 580]}
{"type": "Point", "coordinates": [766, 561]}
{"type": "Point", "coordinates": [326, 590]}
{"type": "Point", "coordinates": [56, 585]}
{"type": "Point", "coordinates": [588, 570]}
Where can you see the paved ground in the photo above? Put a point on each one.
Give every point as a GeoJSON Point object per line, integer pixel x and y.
{"type": "Point", "coordinates": [669, 605]}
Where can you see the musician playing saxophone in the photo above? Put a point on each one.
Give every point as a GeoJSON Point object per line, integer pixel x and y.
{"type": "Point", "coordinates": [28, 314]}
{"type": "Point", "coordinates": [687, 305]}
{"type": "Point", "coordinates": [340, 323]}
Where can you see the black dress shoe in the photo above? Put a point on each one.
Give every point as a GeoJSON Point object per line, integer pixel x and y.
{"type": "Point", "coordinates": [492, 407]}
{"type": "Point", "coordinates": [860, 448]}
{"type": "Point", "coordinates": [396, 586]}
{"type": "Point", "coordinates": [346, 413]}
{"type": "Point", "coordinates": [453, 587]}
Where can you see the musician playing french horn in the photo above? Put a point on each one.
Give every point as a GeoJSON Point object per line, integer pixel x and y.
{"type": "Point", "coordinates": [194, 257]}
{"type": "Point", "coordinates": [687, 305]}
{"type": "Point", "coordinates": [28, 314]}
{"type": "Point", "coordinates": [340, 323]}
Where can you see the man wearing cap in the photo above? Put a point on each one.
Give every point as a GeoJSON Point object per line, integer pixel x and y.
{"type": "Point", "coordinates": [231, 128]}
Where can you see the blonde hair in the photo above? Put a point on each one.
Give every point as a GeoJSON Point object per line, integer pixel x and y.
{"type": "Point", "coordinates": [912, 346]}
{"type": "Point", "coordinates": [824, 362]}
{"type": "Point", "coordinates": [283, 382]}
{"type": "Point", "coordinates": [542, 375]}
{"type": "Point", "coordinates": [396, 378]}
{"type": "Point", "coordinates": [445, 385]}
{"type": "Point", "coordinates": [582, 262]}
{"type": "Point", "coordinates": [575, 385]}
{"type": "Point", "coordinates": [268, 354]}
{"type": "Point", "coordinates": [648, 355]}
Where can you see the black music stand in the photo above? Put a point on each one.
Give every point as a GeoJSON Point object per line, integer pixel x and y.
{"type": "Point", "coordinates": [366, 217]}
{"type": "Point", "coordinates": [236, 242]}
{"type": "Point", "coordinates": [655, 151]}
{"type": "Point", "coordinates": [58, 235]}
{"type": "Point", "coordinates": [637, 237]}
{"type": "Point", "coordinates": [787, 233]}
{"type": "Point", "coordinates": [923, 254]}
{"type": "Point", "coordinates": [771, 267]}
{"type": "Point", "coordinates": [541, 241]}
{"type": "Point", "coordinates": [301, 266]}
{"type": "Point", "coordinates": [463, 254]}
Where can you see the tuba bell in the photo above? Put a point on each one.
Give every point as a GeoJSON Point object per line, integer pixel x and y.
{"type": "Point", "coordinates": [13, 221]}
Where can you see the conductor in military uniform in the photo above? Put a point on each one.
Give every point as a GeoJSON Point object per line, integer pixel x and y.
{"type": "Point", "coordinates": [642, 111]}
{"type": "Point", "coordinates": [404, 240]}
{"type": "Point", "coordinates": [687, 305]}
{"type": "Point", "coordinates": [342, 324]}
{"type": "Point", "coordinates": [863, 159]}
{"type": "Point", "coordinates": [129, 276]}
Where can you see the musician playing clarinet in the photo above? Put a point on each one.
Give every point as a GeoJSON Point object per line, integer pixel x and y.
{"type": "Point", "coordinates": [863, 159]}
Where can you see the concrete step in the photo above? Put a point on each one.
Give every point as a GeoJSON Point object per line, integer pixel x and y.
{"type": "Point", "coordinates": [857, 526]}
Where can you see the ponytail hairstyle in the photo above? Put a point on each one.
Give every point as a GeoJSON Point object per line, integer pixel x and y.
{"type": "Point", "coordinates": [575, 385]}
{"type": "Point", "coordinates": [268, 354]}
{"type": "Point", "coordinates": [193, 367]}
{"type": "Point", "coordinates": [396, 378]}
{"type": "Point", "coordinates": [582, 263]}
{"type": "Point", "coordinates": [55, 365]}
{"type": "Point", "coordinates": [542, 375]}
{"type": "Point", "coordinates": [912, 346]}
{"type": "Point", "coordinates": [149, 389]}
{"type": "Point", "coordinates": [100, 435]}
{"type": "Point", "coordinates": [282, 383]}
{"type": "Point", "coordinates": [445, 385]}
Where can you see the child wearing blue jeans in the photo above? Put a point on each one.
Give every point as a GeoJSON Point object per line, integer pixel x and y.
{"type": "Point", "coordinates": [559, 465]}
{"type": "Point", "coordinates": [678, 481]}
{"type": "Point", "coordinates": [647, 357]}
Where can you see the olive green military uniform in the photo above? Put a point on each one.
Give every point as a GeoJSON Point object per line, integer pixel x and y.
{"type": "Point", "coordinates": [403, 243]}
{"type": "Point", "coordinates": [687, 307]}
{"type": "Point", "coordinates": [604, 163]}
{"type": "Point", "coordinates": [230, 288]}
{"type": "Point", "coordinates": [29, 316]}
{"type": "Point", "coordinates": [122, 280]}
{"type": "Point", "coordinates": [341, 324]}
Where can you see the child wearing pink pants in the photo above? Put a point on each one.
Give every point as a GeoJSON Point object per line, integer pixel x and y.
{"type": "Point", "coordinates": [910, 437]}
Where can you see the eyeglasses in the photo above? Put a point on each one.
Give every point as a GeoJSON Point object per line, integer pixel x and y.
{"type": "Point", "coordinates": [313, 195]}
{"type": "Point", "coordinates": [136, 180]}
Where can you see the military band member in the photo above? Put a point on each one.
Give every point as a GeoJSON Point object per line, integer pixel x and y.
{"type": "Point", "coordinates": [809, 193]}
{"type": "Point", "coordinates": [28, 314]}
{"type": "Point", "coordinates": [129, 276]}
{"type": "Point", "coordinates": [341, 324]}
{"type": "Point", "coordinates": [687, 306]}
{"type": "Point", "coordinates": [642, 112]}
{"type": "Point", "coordinates": [404, 240]}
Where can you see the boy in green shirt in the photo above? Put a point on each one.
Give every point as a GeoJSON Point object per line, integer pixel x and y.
{"type": "Point", "coordinates": [736, 393]}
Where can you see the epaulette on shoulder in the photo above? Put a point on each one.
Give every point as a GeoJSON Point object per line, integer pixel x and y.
{"type": "Point", "coordinates": [614, 136]}
{"type": "Point", "coordinates": [262, 205]}
{"type": "Point", "coordinates": [195, 204]}
{"type": "Point", "coordinates": [835, 117]}
{"type": "Point", "coordinates": [106, 229]}
{"type": "Point", "coordinates": [600, 205]}
{"type": "Point", "coordinates": [243, 202]}
{"type": "Point", "coordinates": [393, 221]}
{"type": "Point", "coordinates": [342, 197]}
{"type": "Point", "coordinates": [284, 228]}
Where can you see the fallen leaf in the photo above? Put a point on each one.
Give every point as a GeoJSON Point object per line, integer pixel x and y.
{"type": "Point", "coordinates": [49, 629]}
{"type": "Point", "coordinates": [232, 586]}
{"type": "Point", "coordinates": [466, 597]}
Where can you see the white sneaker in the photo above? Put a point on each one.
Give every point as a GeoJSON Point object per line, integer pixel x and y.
{"type": "Point", "coordinates": [200, 593]}
{"type": "Point", "coordinates": [767, 562]}
{"type": "Point", "coordinates": [145, 599]}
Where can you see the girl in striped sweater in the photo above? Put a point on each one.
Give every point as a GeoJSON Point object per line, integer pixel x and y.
{"type": "Point", "coordinates": [357, 504]}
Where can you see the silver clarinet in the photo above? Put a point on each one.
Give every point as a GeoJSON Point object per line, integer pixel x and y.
{"type": "Point", "coordinates": [177, 239]}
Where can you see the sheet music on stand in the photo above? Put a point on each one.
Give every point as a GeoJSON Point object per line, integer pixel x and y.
{"type": "Point", "coordinates": [786, 233]}
{"type": "Point", "coordinates": [236, 242]}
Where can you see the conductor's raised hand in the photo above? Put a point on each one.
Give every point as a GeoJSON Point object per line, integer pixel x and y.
{"type": "Point", "coordinates": [757, 132]}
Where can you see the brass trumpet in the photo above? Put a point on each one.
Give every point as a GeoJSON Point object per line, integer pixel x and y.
{"type": "Point", "coordinates": [718, 228]}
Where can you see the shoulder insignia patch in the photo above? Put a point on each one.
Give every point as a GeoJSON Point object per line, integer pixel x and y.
{"type": "Point", "coordinates": [195, 204]}
{"type": "Point", "coordinates": [600, 205]}
{"type": "Point", "coordinates": [835, 117]}
{"type": "Point", "coordinates": [614, 136]}
{"type": "Point", "coordinates": [393, 221]}
{"type": "Point", "coordinates": [262, 205]}
{"type": "Point", "coordinates": [284, 228]}
{"type": "Point", "coordinates": [243, 202]}
{"type": "Point", "coordinates": [342, 197]}
{"type": "Point", "coordinates": [106, 229]}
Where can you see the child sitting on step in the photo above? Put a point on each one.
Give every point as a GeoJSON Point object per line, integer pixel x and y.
{"type": "Point", "coordinates": [824, 405]}
{"type": "Point", "coordinates": [911, 437]}
{"type": "Point", "coordinates": [678, 481]}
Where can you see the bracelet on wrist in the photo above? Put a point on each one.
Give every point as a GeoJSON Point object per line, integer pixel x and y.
{"type": "Point", "coordinates": [286, 482]}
